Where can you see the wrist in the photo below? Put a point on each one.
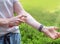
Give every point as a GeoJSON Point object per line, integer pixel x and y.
{"type": "Point", "coordinates": [41, 28]}
{"type": "Point", "coordinates": [10, 24]}
{"type": "Point", "coordinates": [44, 29]}
{"type": "Point", "coordinates": [13, 22]}
{"type": "Point", "coordinates": [5, 22]}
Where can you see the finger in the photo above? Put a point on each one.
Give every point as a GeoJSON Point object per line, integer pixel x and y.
{"type": "Point", "coordinates": [56, 28]}
{"type": "Point", "coordinates": [52, 34]}
{"type": "Point", "coordinates": [49, 34]}
{"type": "Point", "coordinates": [24, 19]}
{"type": "Point", "coordinates": [58, 34]}
{"type": "Point", "coordinates": [22, 16]}
{"type": "Point", "coordinates": [17, 22]}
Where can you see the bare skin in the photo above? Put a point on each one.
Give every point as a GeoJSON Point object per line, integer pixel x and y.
{"type": "Point", "coordinates": [23, 16]}
{"type": "Point", "coordinates": [49, 31]}
{"type": "Point", "coordinates": [14, 21]}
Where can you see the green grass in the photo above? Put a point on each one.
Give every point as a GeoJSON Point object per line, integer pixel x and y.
{"type": "Point", "coordinates": [46, 12]}
{"type": "Point", "coordinates": [46, 5]}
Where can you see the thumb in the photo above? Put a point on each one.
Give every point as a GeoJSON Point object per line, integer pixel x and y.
{"type": "Point", "coordinates": [56, 28]}
{"type": "Point", "coordinates": [20, 16]}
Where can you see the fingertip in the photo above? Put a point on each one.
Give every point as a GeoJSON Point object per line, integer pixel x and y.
{"type": "Point", "coordinates": [54, 38]}
{"type": "Point", "coordinates": [58, 34]}
{"type": "Point", "coordinates": [56, 28]}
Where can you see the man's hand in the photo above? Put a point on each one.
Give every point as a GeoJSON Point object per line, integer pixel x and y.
{"type": "Point", "coordinates": [51, 32]}
{"type": "Point", "coordinates": [16, 20]}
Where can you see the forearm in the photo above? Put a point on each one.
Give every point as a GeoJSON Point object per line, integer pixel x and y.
{"type": "Point", "coordinates": [3, 21]}
{"type": "Point", "coordinates": [30, 20]}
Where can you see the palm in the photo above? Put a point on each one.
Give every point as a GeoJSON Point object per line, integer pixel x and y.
{"type": "Point", "coordinates": [51, 32]}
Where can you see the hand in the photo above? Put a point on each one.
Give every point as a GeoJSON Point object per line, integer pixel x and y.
{"type": "Point", "coordinates": [51, 32]}
{"type": "Point", "coordinates": [17, 20]}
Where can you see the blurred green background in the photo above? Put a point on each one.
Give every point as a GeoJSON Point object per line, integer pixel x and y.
{"type": "Point", "coordinates": [46, 12]}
